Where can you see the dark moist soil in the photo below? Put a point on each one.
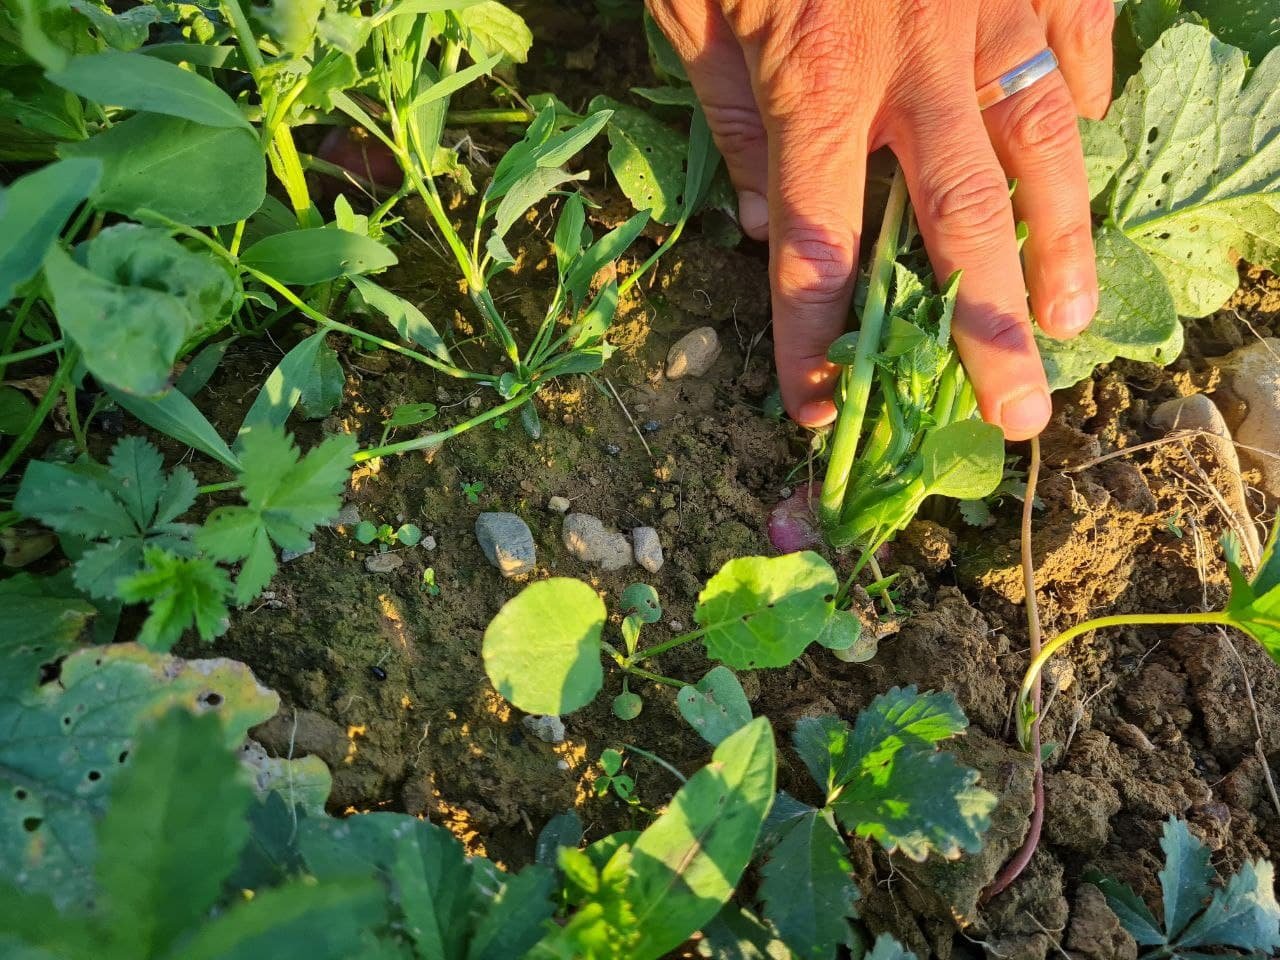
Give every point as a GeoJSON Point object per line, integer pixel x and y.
{"type": "Point", "coordinates": [1145, 723]}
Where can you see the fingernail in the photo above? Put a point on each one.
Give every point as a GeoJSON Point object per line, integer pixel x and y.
{"type": "Point", "coordinates": [1026, 412]}
{"type": "Point", "coordinates": [1074, 312]}
{"type": "Point", "coordinates": [817, 413]}
{"type": "Point", "coordinates": [753, 214]}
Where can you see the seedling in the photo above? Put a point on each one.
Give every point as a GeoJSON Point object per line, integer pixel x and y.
{"type": "Point", "coordinates": [386, 537]}
{"type": "Point", "coordinates": [429, 582]}
{"type": "Point", "coordinates": [612, 778]}
{"type": "Point", "coordinates": [472, 491]}
{"type": "Point", "coordinates": [407, 415]}
{"type": "Point", "coordinates": [1253, 608]}
{"type": "Point", "coordinates": [543, 649]}
{"type": "Point", "coordinates": [501, 423]}
{"type": "Point", "coordinates": [1241, 916]}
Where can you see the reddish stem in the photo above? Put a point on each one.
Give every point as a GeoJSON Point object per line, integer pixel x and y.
{"type": "Point", "coordinates": [1013, 869]}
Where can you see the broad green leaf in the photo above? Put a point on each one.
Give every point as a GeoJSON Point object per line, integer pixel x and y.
{"type": "Point", "coordinates": [641, 601]}
{"type": "Point", "coordinates": [322, 385]}
{"type": "Point", "coordinates": [305, 257]}
{"type": "Point", "coordinates": [195, 174]}
{"type": "Point", "coordinates": [201, 368]}
{"type": "Point", "coordinates": [596, 319]}
{"type": "Point", "coordinates": [33, 211]}
{"type": "Point", "coordinates": [687, 862]}
{"type": "Point", "coordinates": [296, 374]}
{"type": "Point", "coordinates": [287, 497]}
{"type": "Point", "coordinates": [516, 918]}
{"type": "Point", "coordinates": [964, 460]}
{"type": "Point", "coordinates": [151, 85]}
{"type": "Point", "coordinates": [131, 333]}
{"type": "Point", "coordinates": [738, 934]}
{"type": "Point", "coordinates": [1149, 19]}
{"type": "Point", "coordinates": [409, 321]}
{"type": "Point", "coordinates": [764, 611]}
{"type": "Point", "coordinates": [172, 833]}
{"type": "Point", "coordinates": [842, 630]}
{"type": "Point", "coordinates": [490, 28]}
{"type": "Point", "coordinates": [182, 592]}
{"type": "Point", "coordinates": [807, 886]}
{"type": "Point", "coordinates": [1255, 607]}
{"type": "Point", "coordinates": [41, 619]}
{"type": "Point", "coordinates": [891, 785]}
{"type": "Point", "coordinates": [1201, 181]}
{"type": "Point", "coordinates": [1104, 154]}
{"type": "Point", "coordinates": [174, 415]}
{"type": "Point", "coordinates": [1252, 25]}
{"type": "Point", "coordinates": [292, 23]}
{"type": "Point", "coordinates": [568, 236]}
{"type": "Point", "coordinates": [823, 745]}
{"type": "Point", "coordinates": [543, 148]}
{"type": "Point", "coordinates": [1136, 318]}
{"type": "Point", "coordinates": [62, 746]}
{"type": "Point", "coordinates": [125, 30]}
{"type": "Point", "coordinates": [1129, 908]}
{"type": "Point", "coordinates": [666, 62]}
{"type": "Point", "coordinates": [542, 650]}
{"type": "Point", "coordinates": [647, 158]}
{"type": "Point", "coordinates": [1186, 877]}
{"type": "Point", "coordinates": [716, 706]}
{"type": "Point", "coordinates": [32, 928]}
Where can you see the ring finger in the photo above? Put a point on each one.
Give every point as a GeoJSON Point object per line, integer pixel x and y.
{"type": "Point", "coordinates": [1036, 139]}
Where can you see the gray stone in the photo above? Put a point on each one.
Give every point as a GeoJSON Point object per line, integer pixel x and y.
{"type": "Point", "coordinates": [287, 556]}
{"type": "Point", "coordinates": [1253, 376]}
{"type": "Point", "coordinates": [429, 543]}
{"type": "Point", "coordinates": [549, 729]}
{"type": "Point", "coordinates": [587, 539]}
{"type": "Point", "coordinates": [507, 543]}
{"type": "Point", "coordinates": [559, 504]}
{"type": "Point", "coordinates": [1198, 412]}
{"type": "Point", "coordinates": [383, 562]}
{"type": "Point", "coordinates": [348, 516]}
{"type": "Point", "coordinates": [648, 548]}
{"type": "Point", "coordinates": [693, 354]}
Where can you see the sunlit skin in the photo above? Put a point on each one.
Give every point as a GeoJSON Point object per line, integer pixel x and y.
{"type": "Point", "coordinates": [798, 92]}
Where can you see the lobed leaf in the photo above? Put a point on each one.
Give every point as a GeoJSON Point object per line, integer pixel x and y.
{"type": "Point", "coordinates": [1185, 878]}
{"type": "Point", "coordinates": [182, 592]}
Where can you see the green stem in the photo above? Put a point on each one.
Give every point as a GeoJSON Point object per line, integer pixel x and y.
{"type": "Point", "coordinates": [653, 757]}
{"type": "Point", "coordinates": [1102, 623]}
{"type": "Point", "coordinates": [73, 417]}
{"type": "Point", "coordinates": [670, 644]}
{"type": "Point", "coordinates": [219, 487]}
{"type": "Point", "coordinates": [324, 321]}
{"type": "Point", "coordinates": [23, 440]}
{"type": "Point", "coordinates": [848, 429]}
{"type": "Point", "coordinates": [435, 439]}
{"type": "Point", "coordinates": [30, 354]}
{"type": "Point", "coordinates": [244, 36]}
{"type": "Point", "coordinates": [288, 168]}
{"type": "Point", "coordinates": [462, 118]}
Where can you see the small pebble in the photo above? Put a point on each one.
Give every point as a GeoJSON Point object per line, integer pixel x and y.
{"type": "Point", "coordinates": [348, 516]}
{"type": "Point", "coordinates": [559, 505]}
{"type": "Point", "coordinates": [612, 449]}
{"type": "Point", "coordinates": [651, 426]}
{"type": "Point", "coordinates": [648, 548]}
{"type": "Point", "coordinates": [562, 764]}
{"type": "Point", "coordinates": [676, 625]}
{"type": "Point", "coordinates": [549, 728]}
{"type": "Point", "coordinates": [429, 542]}
{"type": "Point", "coordinates": [287, 556]}
{"type": "Point", "coordinates": [443, 395]}
{"type": "Point", "coordinates": [507, 543]}
{"type": "Point", "coordinates": [587, 539]}
{"type": "Point", "coordinates": [474, 402]}
{"type": "Point", "coordinates": [693, 354]}
{"type": "Point", "coordinates": [383, 562]}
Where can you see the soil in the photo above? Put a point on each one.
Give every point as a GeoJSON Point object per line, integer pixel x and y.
{"type": "Point", "coordinates": [1145, 724]}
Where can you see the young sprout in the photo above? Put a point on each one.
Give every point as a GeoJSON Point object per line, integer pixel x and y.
{"type": "Point", "coordinates": [472, 491]}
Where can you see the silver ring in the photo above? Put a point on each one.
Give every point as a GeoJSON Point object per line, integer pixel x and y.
{"type": "Point", "coordinates": [1019, 78]}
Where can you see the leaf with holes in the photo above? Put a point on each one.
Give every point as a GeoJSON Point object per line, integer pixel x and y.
{"type": "Point", "coordinates": [648, 159]}
{"type": "Point", "coordinates": [62, 745]}
{"type": "Point", "coordinates": [761, 612]}
{"type": "Point", "coordinates": [716, 706]}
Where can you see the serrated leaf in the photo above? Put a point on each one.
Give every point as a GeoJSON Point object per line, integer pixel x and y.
{"type": "Point", "coordinates": [171, 834]}
{"type": "Point", "coordinates": [1202, 177]}
{"type": "Point", "coordinates": [1129, 908]}
{"type": "Point", "coordinates": [764, 611]}
{"type": "Point", "coordinates": [823, 744]}
{"type": "Point", "coordinates": [542, 650]}
{"type": "Point", "coordinates": [1185, 878]}
{"type": "Point", "coordinates": [604, 924]}
{"type": "Point", "coordinates": [182, 592]}
{"type": "Point", "coordinates": [62, 746]}
{"type": "Point", "coordinates": [687, 862]}
{"type": "Point", "coordinates": [1243, 914]}
{"type": "Point", "coordinates": [1136, 319]}
{"type": "Point", "coordinates": [807, 887]}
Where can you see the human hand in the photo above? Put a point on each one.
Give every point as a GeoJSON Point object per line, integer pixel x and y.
{"type": "Point", "coordinates": [798, 92]}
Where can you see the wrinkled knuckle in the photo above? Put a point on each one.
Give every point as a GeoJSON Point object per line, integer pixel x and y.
{"type": "Point", "coordinates": [1043, 121]}
{"type": "Point", "coordinates": [736, 126]}
{"type": "Point", "coordinates": [1007, 333]}
{"type": "Point", "coordinates": [813, 267]}
{"type": "Point", "coordinates": [971, 205]}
